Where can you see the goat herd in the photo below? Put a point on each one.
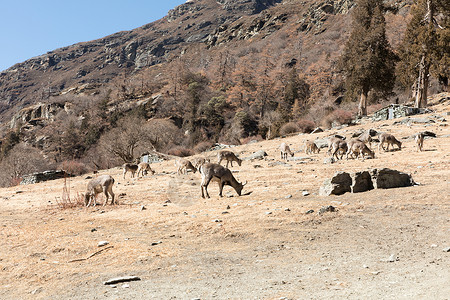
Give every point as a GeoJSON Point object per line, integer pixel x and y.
{"type": "Point", "coordinates": [337, 147]}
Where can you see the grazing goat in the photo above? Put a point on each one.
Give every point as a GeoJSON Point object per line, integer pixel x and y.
{"type": "Point", "coordinates": [419, 141]}
{"type": "Point", "coordinates": [221, 174]}
{"type": "Point", "coordinates": [337, 146]}
{"type": "Point", "coordinates": [366, 138]}
{"type": "Point", "coordinates": [333, 139]}
{"type": "Point", "coordinates": [229, 156]}
{"type": "Point", "coordinates": [285, 150]}
{"type": "Point", "coordinates": [98, 185]}
{"type": "Point", "coordinates": [132, 168]}
{"type": "Point", "coordinates": [144, 168]}
{"type": "Point", "coordinates": [311, 147]}
{"type": "Point", "coordinates": [356, 147]}
{"type": "Point", "coordinates": [389, 139]}
{"type": "Point", "coordinates": [200, 161]}
{"type": "Point", "coordinates": [183, 165]}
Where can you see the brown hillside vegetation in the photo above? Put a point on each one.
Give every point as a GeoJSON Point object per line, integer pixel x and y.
{"type": "Point", "coordinates": [381, 244]}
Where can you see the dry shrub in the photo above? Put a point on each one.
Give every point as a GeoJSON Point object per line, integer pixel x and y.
{"type": "Point", "coordinates": [202, 147]}
{"type": "Point", "coordinates": [306, 126]}
{"type": "Point", "coordinates": [73, 167]}
{"type": "Point", "coordinates": [67, 201]}
{"type": "Point", "coordinates": [251, 139]}
{"type": "Point", "coordinates": [338, 116]}
{"type": "Point", "coordinates": [180, 151]}
{"type": "Point", "coordinates": [289, 128]}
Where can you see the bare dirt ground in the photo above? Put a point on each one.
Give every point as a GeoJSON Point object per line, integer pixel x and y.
{"type": "Point", "coordinates": [259, 246]}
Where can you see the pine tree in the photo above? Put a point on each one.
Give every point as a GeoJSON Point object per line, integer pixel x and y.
{"type": "Point", "coordinates": [424, 48]}
{"type": "Point", "coordinates": [368, 61]}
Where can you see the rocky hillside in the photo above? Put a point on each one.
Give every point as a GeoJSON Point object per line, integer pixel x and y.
{"type": "Point", "coordinates": [199, 26]}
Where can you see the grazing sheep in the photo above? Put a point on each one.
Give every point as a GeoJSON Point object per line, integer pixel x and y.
{"type": "Point", "coordinates": [366, 138]}
{"type": "Point", "coordinates": [311, 147]}
{"type": "Point", "coordinates": [221, 174]}
{"type": "Point", "coordinates": [339, 146]}
{"type": "Point", "coordinates": [200, 161]}
{"type": "Point", "coordinates": [285, 150]}
{"type": "Point", "coordinates": [389, 139]}
{"type": "Point", "coordinates": [183, 165]}
{"type": "Point", "coordinates": [132, 168]}
{"type": "Point", "coordinates": [98, 185]}
{"type": "Point", "coordinates": [144, 168]}
{"type": "Point", "coordinates": [229, 156]}
{"type": "Point", "coordinates": [419, 141]}
{"type": "Point", "coordinates": [356, 147]}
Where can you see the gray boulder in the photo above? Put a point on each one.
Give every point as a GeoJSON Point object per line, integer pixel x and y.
{"type": "Point", "coordinates": [260, 154]}
{"type": "Point", "coordinates": [387, 179]}
{"type": "Point", "coordinates": [340, 184]}
{"type": "Point", "coordinates": [362, 182]}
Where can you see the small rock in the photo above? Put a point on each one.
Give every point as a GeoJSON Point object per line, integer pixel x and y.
{"type": "Point", "coordinates": [288, 197]}
{"type": "Point", "coordinates": [125, 286]}
{"type": "Point", "coordinates": [225, 212]}
{"type": "Point", "coordinates": [268, 212]}
{"type": "Point", "coordinates": [447, 249]}
{"type": "Point", "coordinates": [305, 193]}
{"type": "Point", "coordinates": [93, 229]}
{"type": "Point", "coordinates": [143, 207]}
{"type": "Point", "coordinates": [309, 211]}
{"type": "Point", "coordinates": [392, 258]}
{"type": "Point", "coordinates": [102, 243]}
{"type": "Point", "coordinates": [217, 221]}
{"type": "Point", "coordinates": [375, 273]}
{"type": "Point", "coordinates": [287, 209]}
{"type": "Point", "coordinates": [228, 207]}
{"type": "Point", "coordinates": [167, 201]}
{"type": "Point", "coordinates": [325, 209]}
{"type": "Point", "coordinates": [433, 245]}
{"type": "Point", "coordinates": [156, 243]}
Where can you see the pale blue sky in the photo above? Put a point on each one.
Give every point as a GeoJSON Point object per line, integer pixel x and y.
{"type": "Point", "coordinates": [30, 28]}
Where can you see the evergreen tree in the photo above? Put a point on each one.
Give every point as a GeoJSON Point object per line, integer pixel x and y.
{"type": "Point", "coordinates": [368, 61]}
{"type": "Point", "coordinates": [425, 47]}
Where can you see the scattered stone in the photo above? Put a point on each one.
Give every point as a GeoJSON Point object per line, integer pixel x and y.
{"type": "Point", "coordinates": [329, 160]}
{"type": "Point", "coordinates": [279, 163]}
{"type": "Point", "coordinates": [143, 207]}
{"type": "Point", "coordinates": [88, 177]}
{"type": "Point", "coordinates": [392, 258]}
{"type": "Point", "coordinates": [260, 154]}
{"type": "Point", "coordinates": [121, 279]}
{"type": "Point", "coordinates": [305, 193]}
{"type": "Point", "coordinates": [447, 249]}
{"type": "Point", "coordinates": [125, 286]}
{"type": "Point", "coordinates": [375, 273]}
{"type": "Point", "coordinates": [268, 212]}
{"type": "Point", "coordinates": [288, 197]}
{"type": "Point", "coordinates": [93, 230]}
{"type": "Point", "coordinates": [167, 201]}
{"type": "Point", "coordinates": [102, 243]}
{"type": "Point", "coordinates": [309, 211]}
{"type": "Point", "coordinates": [225, 212]}
{"type": "Point", "coordinates": [257, 166]}
{"type": "Point", "coordinates": [362, 182]}
{"type": "Point", "coordinates": [156, 243]}
{"type": "Point", "coordinates": [338, 185]}
{"type": "Point", "coordinates": [228, 207]}
{"type": "Point", "coordinates": [287, 209]}
{"type": "Point", "coordinates": [217, 221]}
{"type": "Point", "coordinates": [325, 209]}
{"type": "Point", "coordinates": [387, 178]}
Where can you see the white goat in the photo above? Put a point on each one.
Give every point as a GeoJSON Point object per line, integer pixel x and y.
{"type": "Point", "coordinates": [101, 184]}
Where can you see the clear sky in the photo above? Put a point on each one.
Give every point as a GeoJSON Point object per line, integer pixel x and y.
{"type": "Point", "coordinates": [30, 28]}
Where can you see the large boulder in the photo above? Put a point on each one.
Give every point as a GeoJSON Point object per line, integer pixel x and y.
{"type": "Point", "coordinates": [340, 184]}
{"type": "Point", "coordinates": [362, 182]}
{"type": "Point", "coordinates": [387, 179]}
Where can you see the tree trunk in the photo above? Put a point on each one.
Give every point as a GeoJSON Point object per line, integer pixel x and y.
{"type": "Point", "coordinates": [422, 84]}
{"type": "Point", "coordinates": [362, 107]}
